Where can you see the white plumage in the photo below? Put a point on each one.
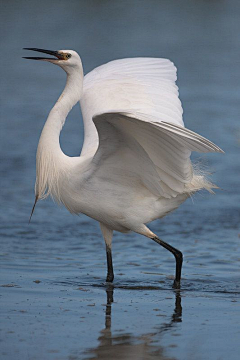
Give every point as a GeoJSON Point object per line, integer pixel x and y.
{"type": "Point", "coordinates": [145, 85]}
{"type": "Point", "coordinates": [135, 162]}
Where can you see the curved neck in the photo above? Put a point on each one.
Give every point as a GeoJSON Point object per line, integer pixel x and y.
{"type": "Point", "coordinates": [69, 97]}
{"type": "Point", "coordinates": [50, 159]}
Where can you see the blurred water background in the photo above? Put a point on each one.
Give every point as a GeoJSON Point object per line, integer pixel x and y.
{"type": "Point", "coordinates": [54, 302]}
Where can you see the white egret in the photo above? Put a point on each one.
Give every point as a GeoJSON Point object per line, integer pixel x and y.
{"type": "Point", "coordinates": [135, 163]}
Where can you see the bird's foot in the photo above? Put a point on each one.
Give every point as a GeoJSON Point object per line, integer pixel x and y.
{"type": "Point", "coordinates": [110, 277]}
{"type": "Point", "coordinates": [176, 284]}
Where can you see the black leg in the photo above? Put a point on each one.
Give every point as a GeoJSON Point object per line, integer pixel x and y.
{"type": "Point", "coordinates": [179, 259]}
{"type": "Point", "coordinates": [109, 292]}
{"type": "Point", "coordinates": [110, 275]}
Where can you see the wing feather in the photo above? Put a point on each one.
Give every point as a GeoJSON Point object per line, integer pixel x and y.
{"type": "Point", "coordinates": [144, 85]}
{"type": "Point", "coordinates": [147, 141]}
{"type": "Point", "coordinates": [161, 151]}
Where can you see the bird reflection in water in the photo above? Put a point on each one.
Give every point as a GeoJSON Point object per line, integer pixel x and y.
{"type": "Point", "coordinates": [126, 346]}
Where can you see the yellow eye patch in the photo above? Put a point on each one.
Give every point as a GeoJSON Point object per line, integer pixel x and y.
{"type": "Point", "coordinates": [65, 56]}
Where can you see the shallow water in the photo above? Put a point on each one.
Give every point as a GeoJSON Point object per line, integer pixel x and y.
{"type": "Point", "coordinates": [54, 301]}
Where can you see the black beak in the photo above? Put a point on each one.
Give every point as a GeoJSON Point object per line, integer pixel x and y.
{"type": "Point", "coordinates": [57, 55]}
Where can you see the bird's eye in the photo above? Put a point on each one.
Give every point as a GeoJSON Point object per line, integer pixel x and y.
{"type": "Point", "coordinates": [68, 56]}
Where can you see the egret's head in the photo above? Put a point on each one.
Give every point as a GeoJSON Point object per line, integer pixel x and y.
{"type": "Point", "coordinates": [69, 60]}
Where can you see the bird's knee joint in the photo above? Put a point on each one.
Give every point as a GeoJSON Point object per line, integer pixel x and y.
{"type": "Point", "coordinates": [108, 249]}
{"type": "Point", "coordinates": [179, 255]}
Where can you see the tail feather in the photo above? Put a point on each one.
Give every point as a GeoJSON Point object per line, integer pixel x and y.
{"type": "Point", "coordinates": [200, 180]}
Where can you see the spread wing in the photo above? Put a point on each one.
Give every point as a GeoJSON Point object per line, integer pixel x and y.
{"type": "Point", "coordinates": [137, 146]}
{"type": "Point", "coordinates": [147, 140]}
{"type": "Point", "coordinates": [144, 85]}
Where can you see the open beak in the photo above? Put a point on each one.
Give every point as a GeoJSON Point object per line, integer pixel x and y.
{"type": "Point", "coordinates": [58, 56]}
